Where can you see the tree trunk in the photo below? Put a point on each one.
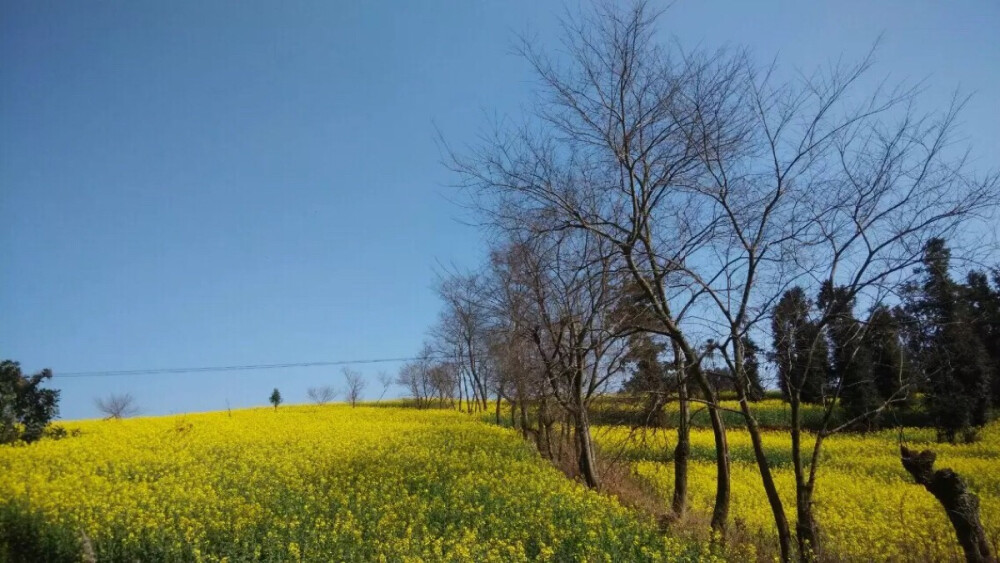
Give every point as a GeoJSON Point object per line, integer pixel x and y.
{"type": "Point", "coordinates": [683, 450]}
{"type": "Point", "coordinates": [806, 530]}
{"type": "Point", "coordinates": [499, 398]}
{"type": "Point", "coordinates": [524, 417]}
{"type": "Point", "coordinates": [763, 465]}
{"type": "Point", "coordinates": [720, 513]}
{"type": "Point", "coordinates": [770, 489]}
{"type": "Point", "coordinates": [961, 505]}
{"type": "Point", "coordinates": [805, 527]}
{"type": "Point", "coordinates": [587, 461]}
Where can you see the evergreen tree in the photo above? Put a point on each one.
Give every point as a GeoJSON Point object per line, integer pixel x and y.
{"type": "Point", "coordinates": [985, 303]}
{"type": "Point", "coordinates": [954, 362]}
{"type": "Point", "coordinates": [648, 375]}
{"type": "Point", "coordinates": [851, 359]}
{"type": "Point", "coordinates": [275, 398]}
{"type": "Point", "coordinates": [800, 351]}
{"type": "Point", "coordinates": [890, 366]}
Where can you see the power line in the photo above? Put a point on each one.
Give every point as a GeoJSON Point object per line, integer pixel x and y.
{"type": "Point", "coordinates": [160, 371]}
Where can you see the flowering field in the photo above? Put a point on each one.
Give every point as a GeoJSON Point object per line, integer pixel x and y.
{"type": "Point", "coordinates": [306, 483]}
{"type": "Point", "coordinates": [867, 505]}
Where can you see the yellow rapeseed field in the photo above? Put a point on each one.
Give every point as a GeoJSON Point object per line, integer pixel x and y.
{"type": "Point", "coordinates": [867, 505]}
{"type": "Point", "coordinates": [325, 483]}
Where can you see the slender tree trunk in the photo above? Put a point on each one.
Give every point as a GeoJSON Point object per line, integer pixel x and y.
{"type": "Point", "coordinates": [683, 450]}
{"type": "Point", "coordinates": [806, 532]}
{"type": "Point", "coordinates": [720, 513]}
{"type": "Point", "coordinates": [585, 450]}
{"type": "Point", "coordinates": [763, 465]}
{"type": "Point", "coordinates": [545, 423]}
{"type": "Point", "coordinates": [499, 398]}
{"type": "Point", "coordinates": [770, 488]}
{"type": "Point", "coordinates": [524, 419]}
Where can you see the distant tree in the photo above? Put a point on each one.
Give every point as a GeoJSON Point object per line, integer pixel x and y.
{"type": "Point", "coordinates": [321, 395]}
{"type": "Point", "coordinates": [851, 365]}
{"type": "Point", "coordinates": [985, 303]}
{"type": "Point", "coordinates": [751, 366]}
{"type": "Point", "coordinates": [386, 381]}
{"type": "Point", "coordinates": [800, 352]}
{"type": "Point", "coordinates": [890, 360]}
{"type": "Point", "coordinates": [643, 357]}
{"type": "Point", "coordinates": [955, 365]}
{"type": "Point", "coordinates": [117, 406]}
{"type": "Point", "coordinates": [414, 376]}
{"type": "Point", "coordinates": [355, 385]}
{"type": "Point", "coordinates": [275, 398]}
{"type": "Point", "coordinates": [25, 407]}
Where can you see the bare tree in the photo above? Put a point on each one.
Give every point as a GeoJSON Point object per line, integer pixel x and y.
{"type": "Point", "coordinates": [719, 186]}
{"type": "Point", "coordinates": [117, 406]}
{"type": "Point", "coordinates": [321, 395]}
{"type": "Point", "coordinates": [573, 284]}
{"type": "Point", "coordinates": [608, 155]}
{"type": "Point", "coordinates": [355, 385]}
{"type": "Point", "coordinates": [462, 332]}
{"type": "Point", "coordinates": [386, 381]}
{"type": "Point", "coordinates": [414, 377]}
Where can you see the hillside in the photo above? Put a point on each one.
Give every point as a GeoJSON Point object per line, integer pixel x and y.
{"type": "Point", "coordinates": [327, 483]}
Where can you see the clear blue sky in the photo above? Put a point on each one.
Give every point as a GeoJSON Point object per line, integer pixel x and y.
{"type": "Point", "coordinates": [197, 183]}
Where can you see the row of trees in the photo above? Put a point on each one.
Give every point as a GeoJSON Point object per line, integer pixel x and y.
{"type": "Point", "coordinates": [681, 208]}
{"type": "Point", "coordinates": [940, 340]}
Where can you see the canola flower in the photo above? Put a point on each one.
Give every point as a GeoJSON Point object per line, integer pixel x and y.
{"type": "Point", "coordinates": [329, 483]}
{"type": "Point", "coordinates": [866, 504]}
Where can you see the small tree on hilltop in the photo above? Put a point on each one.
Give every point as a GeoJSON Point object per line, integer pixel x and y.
{"type": "Point", "coordinates": [275, 398]}
{"type": "Point", "coordinates": [355, 385]}
{"type": "Point", "coordinates": [321, 395]}
{"type": "Point", "coordinates": [117, 406]}
{"type": "Point", "coordinates": [25, 408]}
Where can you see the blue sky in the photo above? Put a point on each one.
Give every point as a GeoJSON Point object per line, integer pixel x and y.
{"type": "Point", "coordinates": [215, 183]}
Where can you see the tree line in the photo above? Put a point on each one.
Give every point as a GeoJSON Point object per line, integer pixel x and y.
{"type": "Point", "coordinates": [691, 222]}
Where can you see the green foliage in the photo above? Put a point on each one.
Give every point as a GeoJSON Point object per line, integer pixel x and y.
{"type": "Point", "coordinates": [891, 366]}
{"type": "Point", "coordinates": [985, 303]}
{"type": "Point", "coordinates": [25, 406]}
{"type": "Point", "coordinates": [275, 398]}
{"type": "Point", "coordinates": [852, 365]}
{"type": "Point", "coordinates": [800, 351]}
{"type": "Point", "coordinates": [955, 365]}
{"type": "Point", "coordinates": [648, 373]}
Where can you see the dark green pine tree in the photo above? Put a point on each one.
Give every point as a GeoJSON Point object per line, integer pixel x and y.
{"type": "Point", "coordinates": [985, 303]}
{"type": "Point", "coordinates": [954, 362]}
{"type": "Point", "coordinates": [851, 365]}
{"type": "Point", "coordinates": [890, 363]}
{"type": "Point", "coordinates": [648, 375]}
{"type": "Point", "coordinates": [800, 351]}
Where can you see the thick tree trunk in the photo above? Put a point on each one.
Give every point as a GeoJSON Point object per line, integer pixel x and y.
{"type": "Point", "coordinates": [961, 505]}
